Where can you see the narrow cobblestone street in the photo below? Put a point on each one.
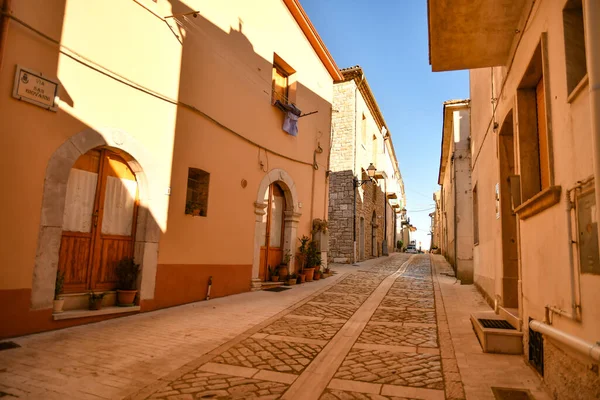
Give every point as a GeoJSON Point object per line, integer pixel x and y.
{"type": "Point", "coordinates": [377, 331]}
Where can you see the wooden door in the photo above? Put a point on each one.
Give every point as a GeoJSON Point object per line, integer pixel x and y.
{"type": "Point", "coordinates": [271, 251]}
{"type": "Point", "coordinates": [98, 222]}
{"type": "Point", "coordinates": [374, 235]}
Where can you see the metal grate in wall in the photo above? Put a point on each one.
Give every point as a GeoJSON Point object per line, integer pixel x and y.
{"type": "Point", "coordinates": [536, 350]}
{"type": "Point", "coordinates": [495, 324]}
{"type": "Point", "coordinates": [511, 394]}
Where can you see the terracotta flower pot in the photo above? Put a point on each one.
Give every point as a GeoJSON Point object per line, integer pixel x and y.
{"type": "Point", "coordinates": [96, 304]}
{"type": "Point", "coordinates": [283, 272]}
{"type": "Point", "coordinates": [317, 276]}
{"type": "Point", "coordinates": [291, 282]}
{"type": "Point", "coordinates": [301, 278]}
{"type": "Point", "coordinates": [58, 305]}
{"type": "Point", "coordinates": [274, 278]}
{"type": "Point", "coordinates": [309, 273]}
{"type": "Point", "coordinates": [126, 297]}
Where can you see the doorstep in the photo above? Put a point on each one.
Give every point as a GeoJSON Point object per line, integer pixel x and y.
{"type": "Point", "coordinates": [70, 314]}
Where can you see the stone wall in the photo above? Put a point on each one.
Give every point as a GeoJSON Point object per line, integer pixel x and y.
{"type": "Point", "coordinates": [370, 199]}
{"type": "Point", "coordinates": [341, 211]}
{"type": "Point", "coordinates": [567, 377]}
{"type": "Point", "coordinates": [343, 124]}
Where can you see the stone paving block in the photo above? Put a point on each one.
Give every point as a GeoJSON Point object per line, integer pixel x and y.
{"type": "Point", "coordinates": [411, 294]}
{"type": "Point", "coordinates": [336, 311]}
{"type": "Point", "coordinates": [402, 302]}
{"type": "Point", "coordinates": [402, 369]}
{"type": "Point", "coordinates": [341, 298]}
{"type": "Point", "coordinates": [351, 289]}
{"type": "Point", "coordinates": [270, 355]}
{"type": "Point", "coordinates": [399, 336]}
{"type": "Point", "coordinates": [331, 394]}
{"type": "Point", "coordinates": [227, 386]}
{"type": "Point", "coordinates": [392, 315]}
{"type": "Point", "coordinates": [303, 328]}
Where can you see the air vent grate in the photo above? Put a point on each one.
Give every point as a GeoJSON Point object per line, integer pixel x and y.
{"type": "Point", "coordinates": [277, 289]}
{"type": "Point", "coordinates": [495, 324]}
{"type": "Point", "coordinates": [511, 394]}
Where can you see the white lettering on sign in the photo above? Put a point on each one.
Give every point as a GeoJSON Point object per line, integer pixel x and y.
{"type": "Point", "coordinates": [30, 86]}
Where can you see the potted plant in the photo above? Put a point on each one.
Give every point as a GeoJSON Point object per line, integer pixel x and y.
{"type": "Point", "coordinates": [284, 271]}
{"type": "Point", "coordinates": [327, 273]}
{"type": "Point", "coordinates": [313, 260]}
{"type": "Point", "coordinates": [58, 289]}
{"type": "Point", "coordinates": [291, 279]}
{"type": "Point", "coordinates": [127, 272]}
{"type": "Point", "coordinates": [301, 258]}
{"type": "Point", "coordinates": [274, 274]}
{"type": "Point", "coordinates": [96, 300]}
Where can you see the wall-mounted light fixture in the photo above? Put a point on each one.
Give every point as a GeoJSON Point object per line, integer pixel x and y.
{"type": "Point", "coordinates": [370, 172]}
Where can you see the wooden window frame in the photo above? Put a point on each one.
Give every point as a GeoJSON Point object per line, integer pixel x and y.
{"type": "Point", "coordinates": [283, 69]}
{"type": "Point", "coordinates": [536, 197]}
{"type": "Point", "coordinates": [574, 42]}
{"type": "Point", "coordinates": [189, 203]}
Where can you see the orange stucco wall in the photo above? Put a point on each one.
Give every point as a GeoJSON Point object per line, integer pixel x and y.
{"type": "Point", "coordinates": [218, 67]}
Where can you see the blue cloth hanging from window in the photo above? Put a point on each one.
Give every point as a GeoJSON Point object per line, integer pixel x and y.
{"type": "Point", "coordinates": [292, 113]}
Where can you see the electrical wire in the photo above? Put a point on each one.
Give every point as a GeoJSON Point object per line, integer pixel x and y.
{"type": "Point", "coordinates": [121, 79]}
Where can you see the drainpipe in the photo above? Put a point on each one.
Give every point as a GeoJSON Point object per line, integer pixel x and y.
{"type": "Point", "coordinates": [4, 29]}
{"type": "Point", "coordinates": [454, 189]}
{"type": "Point", "coordinates": [592, 45]}
{"type": "Point", "coordinates": [591, 350]}
{"type": "Point", "coordinates": [354, 188]}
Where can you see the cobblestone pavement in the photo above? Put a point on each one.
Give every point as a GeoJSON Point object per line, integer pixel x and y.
{"type": "Point", "coordinates": [373, 335]}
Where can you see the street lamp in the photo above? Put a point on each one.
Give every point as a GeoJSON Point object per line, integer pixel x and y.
{"type": "Point", "coordinates": [371, 172]}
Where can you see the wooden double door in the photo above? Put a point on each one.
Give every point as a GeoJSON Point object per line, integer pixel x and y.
{"type": "Point", "coordinates": [273, 223]}
{"type": "Point", "coordinates": [99, 221]}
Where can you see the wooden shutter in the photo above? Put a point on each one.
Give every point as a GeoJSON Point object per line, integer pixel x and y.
{"type": "Point", "coordinates": [540, 94]}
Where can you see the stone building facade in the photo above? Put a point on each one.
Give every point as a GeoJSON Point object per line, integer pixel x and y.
{"type": "Point", "coordinates": [362, 212]}
{"type": "Point", "coordinates": [535, 148]}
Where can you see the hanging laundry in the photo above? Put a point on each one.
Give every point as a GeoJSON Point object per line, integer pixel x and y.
{"type": "Point", "coordinates": [292, 113]}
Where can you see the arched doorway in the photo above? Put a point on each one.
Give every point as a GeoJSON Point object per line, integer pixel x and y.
{"type": "Point", "coordinates": [361, 239]}
{"type": "Point", "coordinates": [148, 215]}
{"type": "Point", "coordinates": [277, 191]}
{"type": "Point", "coordinates": [374, 234]}
{"type": "Point", "coordinates": [273, 225]}
{"type": "Point", "coordinates": [99, 221]}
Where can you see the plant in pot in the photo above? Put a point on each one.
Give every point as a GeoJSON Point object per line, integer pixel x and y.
{"type": "Point", "coordinates": [274, 274]}
{"type": "Point", "coordinates": [291, 279]}
{"type": "Point", "coordinates": [284, 270]}
{"type": "Point", "coordinates": [301, 258]}
{"type": "Point", "coordinates": [127, 273]}
{"type": "Point", "coordinates": [58, 289]}
{"type": "Point", "coordinates": [313, 260]}
{"type": "Point", "coordinates": [96, 300]}
{"type": "Point", "coordinates": [327, 273]}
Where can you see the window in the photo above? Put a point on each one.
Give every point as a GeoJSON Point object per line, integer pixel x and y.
{"type": "Point", "coordinates": [574, 44]}
{"type": "Point", "coordinates": [475, 216]}
{"type": "Point", "coordinates": [196, 202]}
{"type": "Point", "coordinates": [534, 135]}
{"type": "Point", "coordinates": [363, 130]}
{"type": "Point", "coordinates": [374, 154]}
{"type": "Point", "coordinates": [281, 85]}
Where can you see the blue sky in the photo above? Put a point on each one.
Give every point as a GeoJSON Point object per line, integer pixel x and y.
{"type": "Point", "coordinates": [389, 40]}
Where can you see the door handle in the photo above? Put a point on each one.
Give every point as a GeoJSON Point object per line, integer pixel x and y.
{"type": "Point", "coordinates": [95, 218]}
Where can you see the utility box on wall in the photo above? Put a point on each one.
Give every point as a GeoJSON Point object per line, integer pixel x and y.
{"type": "Point", "coordinates": [587, 233]}
{"type": "Point", "coordinates": [322, 239]}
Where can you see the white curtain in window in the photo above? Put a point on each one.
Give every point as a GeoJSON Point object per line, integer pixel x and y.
{"type": "Point", "coordinates": [119, 203]}
{"type": "Point", "coordinates": [263, 223]}
{"type": "Point", "coordinates": [79, 202]}
{"type": "Point", "coordinates": [276, 219]}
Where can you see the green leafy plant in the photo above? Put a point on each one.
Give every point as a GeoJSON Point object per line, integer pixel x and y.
{"type": "Point", "coordinates": [313, 257]}
{"type": "Point", "coordinates": [127, 272]}
{"type": "Point", "coordinates": [286, 257]}
{"type": "Point", "coordinates": [399, 244]}
{"type": "Point", "coordinates": [319, 225]}
{"type": "Point", "coordinates": [302, 252]}
{"type": "Point", "coordinates": [95, 296]}
{"type": "Point", "coordinates": [59, 285]}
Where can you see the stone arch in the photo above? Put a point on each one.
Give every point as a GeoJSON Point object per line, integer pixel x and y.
{"type": "Point", "coordinates": [53, 204]}
{"type": "Point", "coordinates": [292, 217]}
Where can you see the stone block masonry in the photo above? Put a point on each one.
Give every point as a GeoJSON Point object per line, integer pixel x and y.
{"type": "Point", "coordinates": [341, 211]}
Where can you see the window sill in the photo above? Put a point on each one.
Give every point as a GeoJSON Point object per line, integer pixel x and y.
{"type": "Point", "coordinates": [578, 89]}
{"type": "Point", "coordinates": [538, 203]}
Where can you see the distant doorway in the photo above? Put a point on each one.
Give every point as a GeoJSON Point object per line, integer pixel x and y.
{"type": "Point", "coordinates": [361, 239]}
{"type": "Point", "coordinates": [374, 234]}
{"type": "Point", "coordinates": [271, 250]}
{"type": "Point", "coordinates": [510, 252]}
{"type": "Point", "coordinates": [99, 221]}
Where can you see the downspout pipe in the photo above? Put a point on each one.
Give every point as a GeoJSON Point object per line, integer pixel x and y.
{"type": "Point", "coordinates": [591, 350]}
{"type": "Point", "coordinates": [4, 21]}
{"type": "Point", "coordinates": [354, 179]}
{"type": "Point", "coordinates": [591, 13]}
